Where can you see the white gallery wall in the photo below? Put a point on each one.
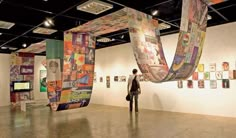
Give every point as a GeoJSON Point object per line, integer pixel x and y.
{"type": "Point", "coordinates": [220, 46]}
{"type": "Point", "coordinates": [5, 79]}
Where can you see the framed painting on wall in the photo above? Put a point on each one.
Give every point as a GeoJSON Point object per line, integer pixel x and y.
{"type": "Point", "coordinates": [108, 81]}
{"type": "Point", "coordinates": [195, 76]}
{"type": "Point", "coordinates": [200, 67]}
{"type": "Point", "coordinates": [101, 79]}
{"type": "Point", "coordinates": [115, 78]}
{"type": "Point", "coordinates": [232, 74]}
{"type": "Point", "coordinates": [180, 84]}
{"type": "Point", "coordinates": [225, 66]}
{"type": "Point", "coordinates": [190, 84]}
{"type": "Point", "coordinates": [212, 67]}
{"type": "Point", "coordinates": [123, 78]}
{"type": "Point", "coordinates": [219, 75]}
{"type": "Point", "coordinates": [213, 84]}
{"type": "Point", "coordinates": [201, 84]}
{"type": "Point", "coordinates": [225, 83]}
{"type": "Point", "coordinates": [206, 75]}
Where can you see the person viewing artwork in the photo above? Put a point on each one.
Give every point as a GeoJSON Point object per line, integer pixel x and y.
{"type": "Point", "coordinates": [134, 90]}
{"type": "Point", "coordinates": [53, 69]}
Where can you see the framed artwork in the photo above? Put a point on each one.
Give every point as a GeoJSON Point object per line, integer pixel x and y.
{"type": "Point", "coordinates": [123, 78]}
{"type": "Point", "coordinates": [212, 67]}
{"type": "Point", "coordinates": [108, 81]}
{"type": "Point", "coordinates": [232, 74]}
{"type": "Point", "coordinates": [115, 78]}
{"type": "Point", "coordinates": [180, 84]}
{"type": "Point", "coordinates": [225, 83]}
{"type": "Point", "coordinates": [200, 67]}
{"type": "Point", "coordinates": [26, 70]}
{"type": "Point", "coordinates": [101, 79]}
{"type": "Point", "coordinates": [206, 75]}
{"type": "Point", "coordinates": [201, 84]}
{"type": "Point", "coordinates": [195, 76]}
{"type": "Point", "coordinates": [219, 75]}
{"type": "Point", "coordinates": [225, 66]}
{"type": "Point", "coordinates": [190, 84]}
{"type": "Point", "coordinates": [213, 84]}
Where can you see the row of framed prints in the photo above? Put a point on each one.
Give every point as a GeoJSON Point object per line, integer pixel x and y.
{"type": "Point", "coordinates": [213, 67]}
{"type": "Point", "coordinates": [119, 78]}
{"type": "Point", "coordinates": [217, 75]}
{"type": "Point", "coordinates": [225, 83]}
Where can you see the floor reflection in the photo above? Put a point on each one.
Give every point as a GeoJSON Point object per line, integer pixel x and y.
{"type": "Point", "coordinates": [98, 121]}
{"type": "Point", "coordinates": [134, 124]}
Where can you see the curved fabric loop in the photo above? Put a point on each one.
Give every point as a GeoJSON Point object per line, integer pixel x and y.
{"type": "Point", "coordinates": [71, 86]}
{"type": "Point", "coordinates": [147, 47]}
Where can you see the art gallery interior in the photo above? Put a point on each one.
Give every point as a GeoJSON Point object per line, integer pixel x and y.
{"type": "Point", "coordinates": [34, 34]}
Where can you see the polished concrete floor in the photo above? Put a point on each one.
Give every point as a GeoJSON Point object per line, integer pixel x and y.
{"type": "Point", "coordinates": [98, 121]}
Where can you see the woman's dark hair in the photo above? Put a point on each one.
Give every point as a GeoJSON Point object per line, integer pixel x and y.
{"type": "Point", "coordinates": [135, 71]}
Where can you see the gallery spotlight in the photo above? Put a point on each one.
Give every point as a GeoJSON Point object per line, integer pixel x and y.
{"type": "Point", "coordinates": [48, 22]}
{"type": "Point", "coordinates": [24, 45]}
{"type": "Point", "coordinates": [154, 12]}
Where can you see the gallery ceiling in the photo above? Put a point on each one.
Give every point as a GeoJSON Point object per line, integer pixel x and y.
{"type": "Point", "coordinates": [27, 15]}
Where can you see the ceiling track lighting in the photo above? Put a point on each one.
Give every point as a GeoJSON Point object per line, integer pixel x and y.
{"type": "Point", "coordinates": [24, 45]}
{"type": "Point", "coordinates": [4, 47]}
{"type": "Point", "coordinates": [154, 12]}
{"type": "Point", "coordinates": [209, 17]}
{"type": "Point", "coordinates": [48, 22]}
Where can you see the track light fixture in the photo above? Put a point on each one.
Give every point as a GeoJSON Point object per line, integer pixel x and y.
{"type": "Point", "coordinates": [154, 12]}
{"type": "Point", "coordinates": [48, 22]}
{"type": "Point", "coordinates": [24, 45]}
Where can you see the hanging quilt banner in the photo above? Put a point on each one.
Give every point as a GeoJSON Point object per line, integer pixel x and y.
{"type": "Point", "coordinates": [73, 87]}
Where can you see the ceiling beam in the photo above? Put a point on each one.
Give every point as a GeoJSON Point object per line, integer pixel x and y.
{"type": "Point", "coordinates": [164, 2]}
{"type": "Point", "coordinates": [217, 12]}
